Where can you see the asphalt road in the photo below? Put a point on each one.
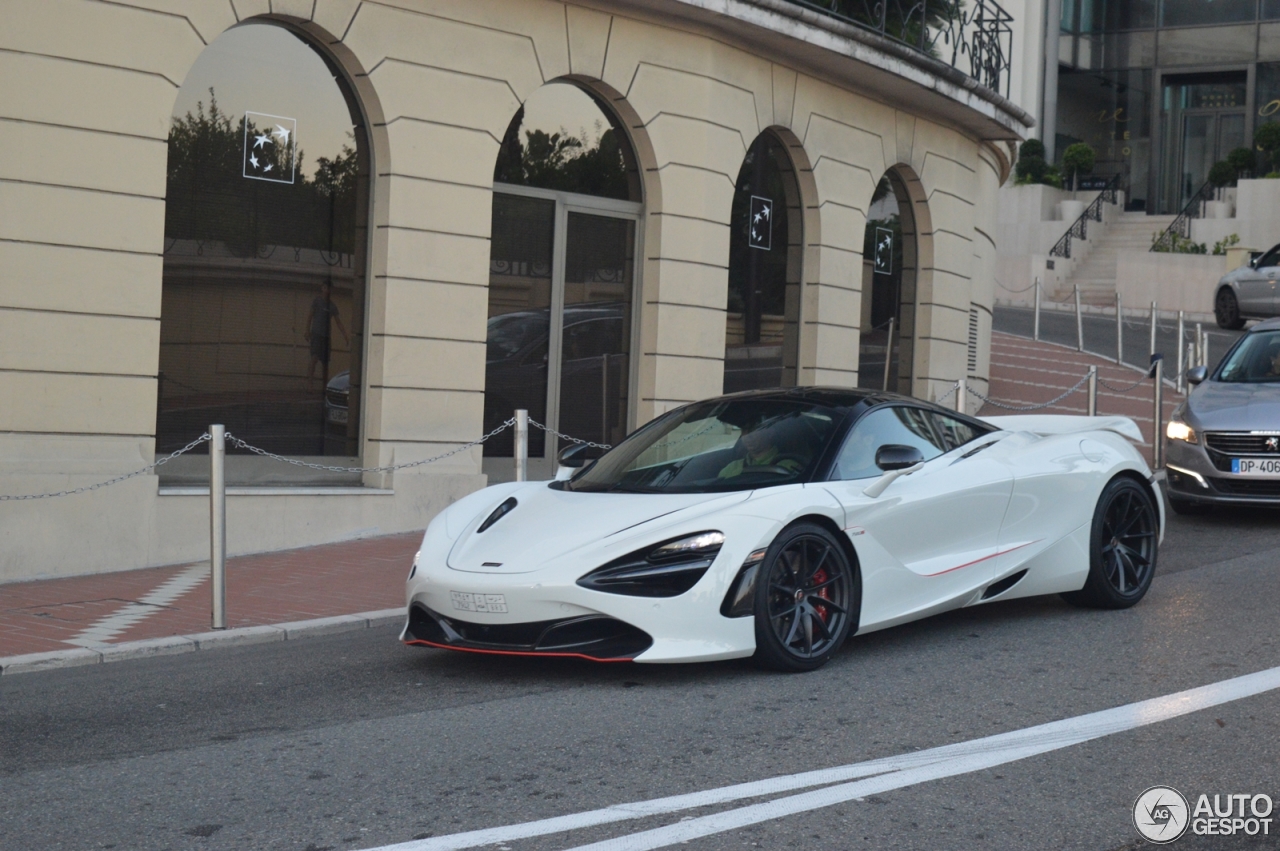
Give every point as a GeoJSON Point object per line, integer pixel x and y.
{"type": "Point", "coordinates": [1058, 326]}
{"type": "Point", "coordinates": [354, 741]}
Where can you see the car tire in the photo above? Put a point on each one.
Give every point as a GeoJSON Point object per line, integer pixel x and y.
{"type": "Point", "coordinates": [1226, 309]}
{"type": "Point", "coordinates": [807, 598]}
{"type": "Point", "coordinates": [1187, 508]}
{"type": "Point", "coordinates": [1123, 546]}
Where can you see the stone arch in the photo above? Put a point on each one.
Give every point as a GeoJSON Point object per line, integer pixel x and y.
{"type": "Point", "coordinates": [347, 265]}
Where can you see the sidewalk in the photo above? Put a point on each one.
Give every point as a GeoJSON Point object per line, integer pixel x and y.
{"type": "Point", "coordinates": [362, 576]}
{"type": "Point", "coordinates": [1027, 372]}
{"type": "Point", "coordinates": [91, 615]}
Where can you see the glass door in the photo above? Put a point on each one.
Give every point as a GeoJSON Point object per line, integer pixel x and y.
{"type": "Point", "coordinates": [560, 329]}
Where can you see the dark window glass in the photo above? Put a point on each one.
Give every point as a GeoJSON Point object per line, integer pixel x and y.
{"type": "Point", "coordinates": [596, 344]}
{"type": "Point", "coordinates": [1111, 110]}
{"type": "Point", "coordinates": [1267, 96]}
{"type": "Point", "coordinates": [888, 287]}
{"type": "Point", "coordinates": [764, 271]}
{"type": "Point", "coordinates": [1192, 13]}
{"type": "Point", "coordinates": [957, 432]}
{"type": "Point", "coordinates": [1129, 14]}
{"type": "Point", "coordinates": [515, 374]}
{"type": "Point", "coordinates": [562, 139]}
{"type": "Point", "coordinates": [900, 424]}
{"type": "Point", "coordinates": [1270, 10]}
{"type": "Point", "coordinates": [716, 446]}
{"type": "Point", "coordinates": [262, 317]}
{"type": "Point", "coordinates": [1255, 359]}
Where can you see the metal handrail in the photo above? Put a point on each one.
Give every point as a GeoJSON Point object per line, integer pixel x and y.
{"type": "Point", "coordinates": [1181, 225]}
{"type": "Point", "coordinates": [1080, 227]}
{"type": "Point", "coordinates": [977, 30]}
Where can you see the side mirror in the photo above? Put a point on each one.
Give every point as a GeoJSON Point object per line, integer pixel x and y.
{"type": "Point", "coordinates": [1197, 374]}
{"type": "Point", "coordinates": [895, 456]}
{"type": "Point", "coordinates": [579, 455]}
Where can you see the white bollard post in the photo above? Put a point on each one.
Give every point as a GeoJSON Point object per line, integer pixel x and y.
{"type": "Point", "coordinates": [1079, 323]}
{"type": "Point", "coordinates": [1182, 366]}
{"type": "Point", "coordinates": [962, 394]}
{"type": "Point", "coordinates": [1157, 438]}
{"type": "Point", "coordinates": [1093, 391]}
{"type": "Point", "coordinates": [1204, 349]}
{"type": "Point", "coordinates": [522, 445]}
{"type": "Point", "coordinates": [1153, 329]}
{"type": "Point", "coordinates": [1035, 327]}
{"type": "Point", "coordinates": [888, 352]}
{"type": "Point", "coordinates": [1119, 330]}
{"type": "Point", "coordinates": [218, 523]}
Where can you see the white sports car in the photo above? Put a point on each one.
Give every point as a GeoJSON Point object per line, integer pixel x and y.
{"type": "Point", "coordinates": [777, 523]}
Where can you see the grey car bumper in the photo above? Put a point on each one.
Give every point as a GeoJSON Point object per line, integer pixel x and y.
{"type": "Point", "coordinates": [1192, 477]}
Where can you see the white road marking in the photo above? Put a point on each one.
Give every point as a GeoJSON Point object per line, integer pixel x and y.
{"type": "Point", "coordinates": [131, 613]}
{"type": "Point", "coordinates": [881, 775]}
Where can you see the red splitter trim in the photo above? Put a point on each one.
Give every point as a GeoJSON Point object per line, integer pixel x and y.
{"type": "Point", "coordinates": [424, 643]}
{"type": "Point", "coordinates": [984, 558]}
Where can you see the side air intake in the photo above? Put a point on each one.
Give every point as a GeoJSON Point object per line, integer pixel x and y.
{"type": "Point", "coordinates": [995, 589]}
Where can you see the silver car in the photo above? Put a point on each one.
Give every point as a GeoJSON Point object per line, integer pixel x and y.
{"type": "Point", "coordinates": [1223, 442]}
{"type": "Point", "coordinates": [1248, 292]}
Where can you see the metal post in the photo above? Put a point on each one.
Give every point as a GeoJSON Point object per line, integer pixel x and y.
{"type": "Point", "coordinates": [1182, 366]}
{"type": "Point", "coordinates": [522, 445]}
{"type": "Point", "coordinates": [1204, 348]}
{"type": "Point", "coordinates": [1153, 329]}
{"type": "Point", "coordinates": [1119, 330]}
{"type": "Point", "coordinates": [962, 394]}
{"type": "Point", "coordinates": [1191, 357]}
{"type": "Point", "coordinates": [604, 398]}
{"type": "Point", "coordinates": [1093, 391]}
{"type": "Point", "coordinates": [218, 523]}
{"type": "Point", "coordinates": [1035, 327]}
{"type": "Point", "coordinates": [1079, 323]}
{"type": "Point", "coordinates": [1157, 438]}
{"type": "Point", "coordinates": [888, 352]}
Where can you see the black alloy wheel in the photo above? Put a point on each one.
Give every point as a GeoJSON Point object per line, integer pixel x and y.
{"type": "Point", "coordinates": [807, 599]}
{"type": "Point", "coordinates": [1122, 547]}
{"type": "Point", "coordinates": [1226, 309]}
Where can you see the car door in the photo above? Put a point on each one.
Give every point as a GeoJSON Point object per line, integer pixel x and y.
{"type": "Point", "coordinates": [928, 542]}
{"type": "Point", "coordinates": [1257, 285]}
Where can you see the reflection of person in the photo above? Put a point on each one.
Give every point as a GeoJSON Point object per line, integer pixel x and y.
{"type": "Point", "coordinates": [323, 310]}
{"type": "Point", "coordinates": [760, 449]}
{"type": "Point", "coordinates": [1274, 355]}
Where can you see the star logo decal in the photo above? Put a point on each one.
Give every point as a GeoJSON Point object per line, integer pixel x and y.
{"type": "Point", "coordinates": [270, 147]}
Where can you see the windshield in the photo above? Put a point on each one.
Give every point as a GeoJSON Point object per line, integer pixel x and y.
{"type": "Point", "coordinates": [1255, 359]}
{"type": "Point", "coordinates": [707, 447]}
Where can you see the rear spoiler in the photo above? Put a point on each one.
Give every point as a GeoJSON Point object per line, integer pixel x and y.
{"type": "Point", "coordinates": [1047, 424]}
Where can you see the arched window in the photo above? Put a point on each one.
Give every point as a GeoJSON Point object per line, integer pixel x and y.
{"type": "Point", "coordinates": [765, 253]}
{"type": "Point", "coordinates": [889, 271]}
{"type": "Point", "coordinates": [562, 269]}
{"type": "Point", "coordinates": [263, 310]}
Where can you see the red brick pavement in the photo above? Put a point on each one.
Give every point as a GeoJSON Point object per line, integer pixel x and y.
{"type": "Point", "coordinates": [333, 579]}
{"type": "Point", "coordinates": [368, 574]}
{"type": "Point", "coordinates": [1026, 372]}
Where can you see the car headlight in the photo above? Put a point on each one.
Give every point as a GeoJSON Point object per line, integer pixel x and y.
{"type": "Point", "coordinates": [667, 569]}
{"type": "Point", "coordinates": [1178, 430]}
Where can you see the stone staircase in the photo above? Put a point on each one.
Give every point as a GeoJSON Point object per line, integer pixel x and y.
{"type": "Point", "coordinates": [1096, 273]}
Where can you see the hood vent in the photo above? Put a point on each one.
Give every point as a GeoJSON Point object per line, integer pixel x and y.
{"type": "Point", "coordinates": [501, 511]}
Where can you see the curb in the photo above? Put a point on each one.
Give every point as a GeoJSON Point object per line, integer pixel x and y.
{"type": "Point", "coordinates": [171, 645]}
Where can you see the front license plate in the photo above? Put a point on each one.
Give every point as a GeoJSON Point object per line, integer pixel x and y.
{"type": "Point", "coordinates": [337, 415]}
{"type": "Point", "coordinates": [1267, 467]}
{"type": "Point", "coordinates": [494, 604]}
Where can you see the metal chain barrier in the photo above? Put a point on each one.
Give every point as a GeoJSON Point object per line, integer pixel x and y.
{"type": "Point", "coordinates": [334, 468]}
{"type": "Point", "coordinates": [1132, 386]}
{"type": "Point", "coordinates": [1011, 290]}
{"type": "Point", "coordinates": [192, 445]}
{"type": "Point", "coordinates": [1053, 401]}
{"type": "Point", "coordinates": [955, 387]}
{"type": "Point", "coordinates": [564, 436]}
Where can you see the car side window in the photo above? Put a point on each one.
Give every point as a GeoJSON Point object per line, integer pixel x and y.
{"type": "Point", "coordinates": [956, 432]}
{"type": "Point", "coordinates": [1271, 258]}
{"type": "Point", "coordinates": [898, 424]}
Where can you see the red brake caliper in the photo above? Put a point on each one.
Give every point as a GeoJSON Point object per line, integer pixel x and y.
{"type": "Point", "coordinates": [825, 593]}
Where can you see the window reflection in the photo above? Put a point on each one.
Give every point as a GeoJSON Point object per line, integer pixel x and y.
{"type": "Point", "coordinates": [761, 331]}
{"type": "Point", "coordinates": [897, 425]}
{"type": "Point", "coordinates": [262, 317]}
